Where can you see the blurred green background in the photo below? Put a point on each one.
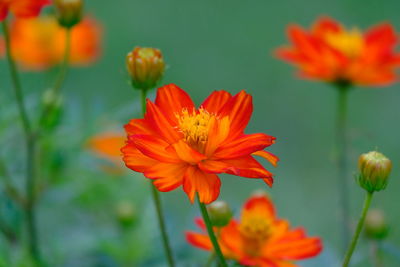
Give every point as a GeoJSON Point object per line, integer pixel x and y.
{"type": "Point", "coordinates": [208, 45]}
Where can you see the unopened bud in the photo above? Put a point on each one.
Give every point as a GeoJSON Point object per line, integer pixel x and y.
{"type": "Point", "coordinates": [69, 12]}
{"type": "Point", "coordinates": [51, 110]}
{"type": "Point", "coordinates": [126, 214]}
{"type": "Point", "coordinates": [220, 213]}
{"type": "Point", "coordinates": [374, 170]}
{"type": "Point", "coordinates": [145, 66]}
{"type": "Point", "coordinates": [375, 225]}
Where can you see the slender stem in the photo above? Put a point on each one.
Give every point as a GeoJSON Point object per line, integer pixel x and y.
{"type": "Point", "coordinates": [341, 144]}
{"type": "Point", "coordinates": [30, 150]}
{"type": "Point", "coordinates": [375, 254]}
{"type": "Point", "coordinates": [356, 235]}
{"type": "Point", "coordinates": [210, 260]}
{"type": "Point", "coordinates": [9, 187]}
{"type": "Point", "coordinates": [65, 63]}
{"type": "Point", "coordinates": [157, 203]}
{"type": "Point", "coordinates": [211, 234]}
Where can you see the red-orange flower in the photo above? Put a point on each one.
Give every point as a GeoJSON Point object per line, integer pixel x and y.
{"type": "Point", "coordinates": [39, 43]}
{"type": "Point", "coordinates": [332, 53]}
{"type": "Point", "coordinates": [21, 8]}
{"type": "Point", "coordinates": [260, 238]}
{"type": "Point", "coordinates": [176, 144]}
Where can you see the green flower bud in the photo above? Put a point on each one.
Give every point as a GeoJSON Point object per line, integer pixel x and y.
{"type": "Point", "coordinates": [69, 12]}
{"type": "Point", "coordinates": [220, 213]}
{"type": "Point", "coordinates": [52, 110]}
{"type": "Point", "coordinates": [145, 66]}
{"type": "Point", "coordinates": [374, 170]}
{"type": "Point", "coordinates": [375, 225]}
{"type": "Point", "coordinates": [126, 214]}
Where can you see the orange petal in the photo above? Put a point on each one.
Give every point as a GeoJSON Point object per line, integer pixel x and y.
{"type": "Point", "coordinates": [219, 131]}
{"type": "Point", "coordinates": [3, 10]}
{"type": "Point", "coordinates": [157, 120]}
{"type": "Point", "coordinates": [206, 185]}
{"type": "Point", "coordinates": [199, 240]}
{"type": "Point", "coordinates": [154, 147]}
{"type": "Point", "coordinates": [167, 176]}
{"type": "Point", "coordinates": [259, 205]}
{"type": "Point", "coordinates": [27, 8]}
{"type": "Point", "coordinates": [268, 156]}
{"type": "Point", "coordinates": [244, 145]}
{"type": "Point", "coordinates": [135, 160]}
{"type": "Point", "coordinates": [216, 101]}
{"type": "Point", "coordinates": [186, 153]}
{"type": "Point", "coordinates": [325, 25]}
{"type": "Point", "coordinates": [171, 100]}
{"type": "Point", "coordinates": [139, 126]}
{"type": "Point", "coordinates": [107, 144]}
{"type": "Point", "coordinates": [239, 109]}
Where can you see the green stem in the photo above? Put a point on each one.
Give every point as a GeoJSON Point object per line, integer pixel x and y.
{"type": "Point", "coordinates": [341, 144]}
{"type": "Point", "coordinates": [157, 203]}
{"type": "Point", "coordinates": [211, 234]}
{"type": "Point", "coordinates": [65, 63]}
{"type": "Point", "coordinates": [356, 235]}
{"type": "Point", "coordinates": [30, 147]}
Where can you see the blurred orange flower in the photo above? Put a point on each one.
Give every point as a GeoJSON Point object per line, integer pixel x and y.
{"type": "Point", "coordinates": [21, 8]}
{"type": "Point", "coordinates": [39, 43]}
{"type": "Point", "coordinates": [332, 53]}
{"type": "Point", "coordinates": [108, 145]}
{"type": "Point", "coordinates": [260, 238]}
{"type": "Point", "coordinates": [176, 144]}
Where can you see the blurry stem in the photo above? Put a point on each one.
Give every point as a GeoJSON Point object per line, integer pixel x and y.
{"type": "Point", "coordinates": [30, 150]}
{"type": "Point", "coordinates": [64, 65]}
{"type": "Point", "coordinates": [157, 203]}
{"type": "Point", "coordinates": [356, 235]}
{"type": "Point", "coordinates": [375, 254]}
{"type": "Point", "coordinates": [341, 144]}
{"type": "Point", "coordinates": [7, 232]}
{"type": "Point", "coordinates": [210, 260]}
{"type": "Point", "coordinates": [9, 188]}
{"type": "Point", "coordinates": [207, 221]}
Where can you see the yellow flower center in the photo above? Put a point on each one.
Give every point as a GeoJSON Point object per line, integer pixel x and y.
{"type": "Point", "coordinates": [195, 127]}
{"type": "Point", "coordinates": [351, 43]}
{"type": "Point", "coordinates": [255, 230]}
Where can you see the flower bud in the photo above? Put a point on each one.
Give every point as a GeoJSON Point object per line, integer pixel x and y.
{"type": "Point", "coordinates": [374, 170]}
{"type": "Point", "coordinates": [126, 214]}
{"type": "Point", "coordinates": [145, 66]}
{"type": "Point", "coordinates": [220, 213]}
{"type": "Point", "coordinates": [69, 12]}
{"type": "Point", "coordinates": [51, 110]}
{"type": "Point", "coordinates": [375, 225]}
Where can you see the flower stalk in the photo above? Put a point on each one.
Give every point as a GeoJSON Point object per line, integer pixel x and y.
{"type": "Point", "coordinates": [157, 203]}
{"type": "Point", "coordinates": [211, 234]}
{"type": "Point", "coordinates": [356, 235]}
{"type": "Point", "coordinates": [30, 150]}
{"type": "Point", "coordinates": [341, 158]}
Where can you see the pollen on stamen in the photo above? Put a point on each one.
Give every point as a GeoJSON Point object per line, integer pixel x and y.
{"type": "Point", "coordinates": [195, 126]}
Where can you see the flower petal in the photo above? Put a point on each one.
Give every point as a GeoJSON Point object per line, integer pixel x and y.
{"type": "Point", "coordinates": [206, 185]}
{"type": "Point", "coordinates": [158, 121]}
{"type": "Point", "coordinates": [167, 176]}
{"type": "Point", "coordinates": [244, 145]}
{"type": "Point", "coordinates": [155, 148]}
{"type": "Point", "coordinates": [219, 131]}
{"type": "Point", "coordinates": [259, 205]}
{"type": "Point", "coordinates": [268, 156]}
{"type": "Point", "coordinates": [186, 153]}
{"type": "Point", "coordinates": [171, 100]}
{"type": "Point", "coordinates": [136, 160]}
{"type": "Point", "coordinates": [216, 101]}
{"type": "Point", "coordinates": [239, 109]}
{"type": "Point", "coordinates": [139, 126]}
{"type": "Point", "coordinates": [199, 240]}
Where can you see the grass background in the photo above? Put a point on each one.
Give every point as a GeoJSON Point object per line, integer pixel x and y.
{"type": "Point", "coordinates": [208, 45]}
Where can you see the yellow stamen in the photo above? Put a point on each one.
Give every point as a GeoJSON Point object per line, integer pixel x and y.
{"type": "Point", "coordinates": [195, 127]}
{"type": "Point", "coordinates": [350, 42]}
{"type": "Point", "coordinates": [255, 230]}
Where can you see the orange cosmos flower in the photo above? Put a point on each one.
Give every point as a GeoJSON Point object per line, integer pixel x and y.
{"type": "Point", "coordinates": [108, 145]}
{"type": "Point", "coordinates": [21, 8]}
{"type": "Point", "coordinates": [260, 238]}
{"type": "Point", "coordinates": [39, 43]}
{"type": "Point", "coordinates": [332, 53]}
{"type": "Point", "coordinates": [176, 144]}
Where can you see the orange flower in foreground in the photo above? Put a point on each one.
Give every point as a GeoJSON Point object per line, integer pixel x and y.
{"type": "Point", "coordinates": [332, 53]}
{"type": "Point", "coordinates": [21, 8]}
{"type": "Point", "coordinates": [176, 144]}
{"type": "Point", "coordinates": [39, 43]}
{"type": "Point", "coordinates": [260, 238]}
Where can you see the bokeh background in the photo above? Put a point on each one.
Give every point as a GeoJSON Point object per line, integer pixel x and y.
{"type": "Point", "coordinates": [207, 45]}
